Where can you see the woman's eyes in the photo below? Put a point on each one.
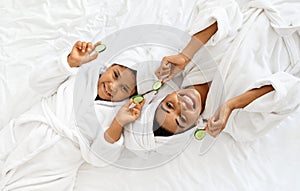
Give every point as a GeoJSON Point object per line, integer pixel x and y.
{"type": "Point", "coordinates": [183, 119]}
{"type": "Point", "coordinates": [169, 105]}
{"type": "Point", "coordinates": [124, 88]}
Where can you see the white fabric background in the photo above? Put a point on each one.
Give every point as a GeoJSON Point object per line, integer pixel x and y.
{"type": "Point", "coordinates": [32, 31]}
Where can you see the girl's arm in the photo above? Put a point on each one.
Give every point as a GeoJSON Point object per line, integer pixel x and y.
{"type": "Point", "coordinates": [113, 133]}
{"type": "Point", "coordinates": [125, 115]}
{"type": "Point", "coordinates": [46, 78]}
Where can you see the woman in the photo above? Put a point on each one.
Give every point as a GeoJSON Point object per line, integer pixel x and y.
{"type": "Point", "coordinates": [166, 126]}
{"type": "Point", "coordinates": [250, 56]}
{"type": "Point", "coordinates": [180, 111]}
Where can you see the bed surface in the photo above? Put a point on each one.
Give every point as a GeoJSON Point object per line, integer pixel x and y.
{"type": "Point", "coordinates": [32, 31]}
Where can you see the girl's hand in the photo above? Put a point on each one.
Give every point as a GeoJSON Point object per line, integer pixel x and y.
{"type": "Point", "coordinates": [80, 53]}
{"type": "Point", "coordinates": [128, 115]}
{"type": "Point", "coordinates": [170, 66]}
{"type": "Point", "coordinates": [218, 121]}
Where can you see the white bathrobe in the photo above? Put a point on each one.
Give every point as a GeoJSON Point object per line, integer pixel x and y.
{"type": "Point", "coordinates": [138, 136]}
{"type": "Point", "coordinates": [204, 14]}
{"type": "Point", "coordinates": [265, 52]}
{"type": "Point", "coordinates": [231, 75]}
{"type": "Point", "coordinates": [32, 144]}
{"type": "Point", "coordinates": [57, 130]}
{"type": "Point", "coordinates": [67, 120]}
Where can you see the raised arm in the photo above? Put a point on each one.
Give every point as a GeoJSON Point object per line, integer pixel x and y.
{"type": "Point", "coordinates": [46, 78]}
{"type": "Point", "coordinates": [218, 121]}
{"type": "Point", "coordinates": [125, 115]}
{"type": "Point", "coordinates": [171, 65]}
{"type": "Point", "coordinates": [198, 40]}
{"type": "Point", "coordinates": [217, 19]}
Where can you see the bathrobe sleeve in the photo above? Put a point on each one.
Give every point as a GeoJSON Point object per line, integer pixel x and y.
{"type": "Point", "coordinates": [46, 78]}
{"type": "Point", "coordinates": [225, 12]}
{"type": "Point", "coordinates": [194, 74]}
{"type": "Point", "coordinates": [106, 151]}
{"type": "Point", "coordinates": [266, 111]}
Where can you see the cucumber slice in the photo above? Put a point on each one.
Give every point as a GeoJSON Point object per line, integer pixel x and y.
{"type": "Point", "coordinates": [157, 85]}
{"type": "Point", "coordinates": [199, 134]}
{"type": "Point", "coordinates": [100, 48]}
{"type": "Point", "coordinates": [137, 98]}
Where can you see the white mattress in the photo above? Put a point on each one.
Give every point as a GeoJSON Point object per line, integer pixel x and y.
{"type": "Point", "coordinates": [32, 31]}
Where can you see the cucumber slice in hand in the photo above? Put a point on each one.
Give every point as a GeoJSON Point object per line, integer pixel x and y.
{"type": "Point", "coordinates": [199, 134]}
{"type": "Point", "coordinates": [137, 99]}
{"type": "Point", "coordinates": [100, 48]}
{"type": "Point", "coordinates": [157, 85]}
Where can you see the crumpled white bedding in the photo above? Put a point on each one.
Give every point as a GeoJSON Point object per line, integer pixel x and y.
{"type": "Point", "coordinates": [33, 31]}
{"type": "Point", "coordinates": [269, 163]}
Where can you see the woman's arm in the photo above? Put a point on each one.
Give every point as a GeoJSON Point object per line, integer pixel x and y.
{"type": "Point", "coordinates": [246, 98]}
{"type": "Point", "coordinates": [198, 40]}
{"type": "Point", "coordinates": [218, 121]}
{"type": "Point", "coordinates": [171, 65]}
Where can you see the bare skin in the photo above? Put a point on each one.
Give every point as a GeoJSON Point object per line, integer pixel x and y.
{"type": "Point", "coordinates": [124, 116]}
{"type": "Point", "coordinates": [115, 84]}
{"type": "Point", "coordinates": [174, 115]}
{"type": "Point", "coordinates": [171, 65]}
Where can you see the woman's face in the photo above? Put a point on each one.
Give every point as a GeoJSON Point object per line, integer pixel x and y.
{"type": "Point", "coordinates": [179, 111]}
{"type": "Point", "coordinates": [116, 83]}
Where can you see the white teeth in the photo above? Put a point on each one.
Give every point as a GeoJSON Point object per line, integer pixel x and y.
{"type": "Point", "coordinates": [106, 90]}
{"type": "Point", "coordinates": [188, 100]}
{"type": "Point", "coordinates": [108, 93]}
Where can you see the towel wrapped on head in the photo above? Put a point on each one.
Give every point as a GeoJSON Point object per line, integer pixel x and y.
{"type": "Point", "coordinates": [139, 136]}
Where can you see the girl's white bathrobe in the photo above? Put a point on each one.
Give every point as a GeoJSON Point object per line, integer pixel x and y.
{"type": "Point", "coordinates": [43, 148]}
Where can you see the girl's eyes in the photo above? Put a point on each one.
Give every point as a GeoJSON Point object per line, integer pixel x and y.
{"type": "Point", "coordinates": [116, 75]}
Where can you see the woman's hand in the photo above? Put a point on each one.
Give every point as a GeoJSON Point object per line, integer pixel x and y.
{"type": "Point", "coordinates": [170, 66]}
{"type": "Point", "coordinates": [218, 121]}
{"type": "Point", "coordinates": [80, 53]}
{"type": "Point", "coordinates": [129, 114]}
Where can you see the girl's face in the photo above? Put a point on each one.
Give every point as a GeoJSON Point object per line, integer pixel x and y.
{"type": "Point", "coordinates": [179, 111]}
{"type": "Point", "coordinates": [116, 83]}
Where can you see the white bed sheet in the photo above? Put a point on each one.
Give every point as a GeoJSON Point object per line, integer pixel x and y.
{"type": "Point", "coordinates": [32, 31]}
{"type": "Point", "coordinates": [270, 163]}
